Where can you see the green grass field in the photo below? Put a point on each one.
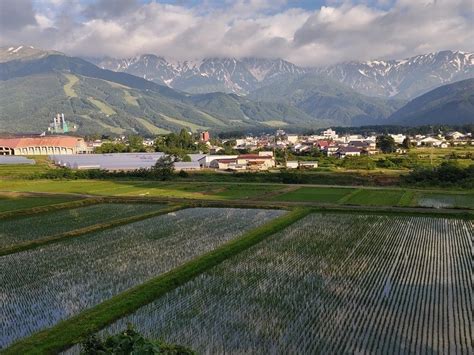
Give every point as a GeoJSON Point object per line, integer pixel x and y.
{"type": "Point", "coordinates": [102, 106]}
{"type": "Point", "coordinates": [315, 194]}
{"type": "Point", "coordinates": [140, 188]}
{"type": "Point", "coordinates": [9, 203]}
{"type": "Point", "coordinates": [376, 198]}
{"type": "Point", "coordinates": [68, 88]}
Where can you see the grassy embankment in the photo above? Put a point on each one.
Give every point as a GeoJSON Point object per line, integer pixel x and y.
{"type": "Point", "coordinates": [75, 329]}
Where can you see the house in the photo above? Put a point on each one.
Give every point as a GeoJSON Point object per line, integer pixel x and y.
{"type": "Point", "coordinates": [308, 164]}
{"type": "Point", "coordinates": [343, 152]}
{"type": "Point", "coordinates": [295, 164]}
{"type": "Point", "coordinates": [292, 164]}
{"type": "Point", "coordinates": [302, 147]}
{"type": "Point", "coordinates": [359, 144]}
{"type": "Point", "coordinates": [321, 144]}
{"type": "Point", "coordinates": [148, 142]}
{"type": "Point", "coordinates": [331, 150]}
{"type": "Point", "coordinates": [430, 141]}
{"type": "Point", "coordinates": [292, 138]}
{"type": "Point", "coordinates": [455, 135]}
{"type": "Point", "coordinates": [228, 164]}
{"type": "Point", "coordinates": [398, 138]}
{"type": "Point", "coordinates": [256, 161]}
{"type": "Point", "coordinates": [245, 162]}
{"type": "Point", "coordinates": [43, 145]}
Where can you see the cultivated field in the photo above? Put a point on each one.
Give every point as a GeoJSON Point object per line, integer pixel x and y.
{"type": "Point", "coordinates": [331, 283]}
{"type": "Point", "coordinates": [378, 197]}
{"type": "Point", "coordinates": [315, 194]}
{"type": "Point", "coordinates": [438, 200]}
{"type": "Point", "coordinates": [27, 228]}
{"type": "Point", "coordinates": [40, 287]}
{"type": "Point", "coordinates": [141, 188]}
{"type": "Point", "coordinates": [13, 203]}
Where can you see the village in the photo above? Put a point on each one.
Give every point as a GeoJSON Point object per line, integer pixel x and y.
{"type": "Point", "coordinates": [251, 153]}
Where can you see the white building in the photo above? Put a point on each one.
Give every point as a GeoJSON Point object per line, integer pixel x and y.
{"type": "Point", "coordinates": [398, 138]}
{"type": "Point", "coordinates": [330, 134]}
{"type": "Point", "coordinates": [292, 138]}
{"type": "Point", "coordinates": [207, 160]}
{"type": "Point", "coordinates": [430, 141]}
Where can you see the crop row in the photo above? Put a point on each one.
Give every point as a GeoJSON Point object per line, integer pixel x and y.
{"type": "Point", "coordinates": [27, 228]}
{"type": "Point", "coordinates": [42, 286]}
{"type": "Point", "coordinates": [329, 284]}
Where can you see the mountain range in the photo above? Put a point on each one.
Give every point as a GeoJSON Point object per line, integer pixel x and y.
{"type": "Point", "coordinates": [400, 79]}
{"type": "Point", "coordinates": [452, 103]}
{"type": "Point", "coordinates": [151, 95]}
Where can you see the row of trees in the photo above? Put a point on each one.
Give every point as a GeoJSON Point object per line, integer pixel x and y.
{"type": "Point", "coordinates": [135, 144]}
{"type": "Point", "coordinates": [447, 174]}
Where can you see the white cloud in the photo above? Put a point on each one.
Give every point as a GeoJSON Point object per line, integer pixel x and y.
{"type": "Point", "coordinates": [342, 30]}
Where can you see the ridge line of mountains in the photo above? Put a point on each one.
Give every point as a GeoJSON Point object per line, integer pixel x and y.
{"type": "Point", "coordinates": [152, 95]}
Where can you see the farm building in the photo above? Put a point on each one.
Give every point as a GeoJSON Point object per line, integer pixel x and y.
{"type": "Point", "coordinates": [259, 161]}
{"type": "Point", "coordinates": [292, 164]}
{"type": "Point", "coordinates": [187, 166]}
{"type": "Point", "coordinates": [13, 160]}
{"type": "Point", "coordinates": [111, 162]}
{"type": "Point", "coordinates": [308, 164]}
{"type": "Point", "coordinates": [295, 164]}
{"type": "Point", "coordinates": [207, 160]}
{"type": "Point", "coordinates": [117, 161]}
{"type": "Point", "coordinates": [57, 145]}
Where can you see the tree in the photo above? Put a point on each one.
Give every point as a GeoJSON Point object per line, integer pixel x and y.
{"type": "Point", "coordinates": [406, 143]}
{"type": "Point", "coordinates": [130, 342]}
{"type": "Point", "coordinates": [112, 148]}
{"type": "Point", "coordinates": [164, 167]}
{"type": "Point", "coordinates": [136, 143]}
{"type": "Point", "coordinates": [386, 144]}
{"type": "Point", "coordinates": [179, 144]}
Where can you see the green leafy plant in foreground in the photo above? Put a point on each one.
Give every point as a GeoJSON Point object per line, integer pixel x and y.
{"type": "Point", "coordinates": [130, 342]}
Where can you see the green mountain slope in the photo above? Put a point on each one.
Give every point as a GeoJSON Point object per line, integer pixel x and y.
{"type": "Point", "coordinates": [324, 99]}
{"type": "Point", "coordinates": [449, 104]}
{"type": "Point", "coordinates": [34, 88]}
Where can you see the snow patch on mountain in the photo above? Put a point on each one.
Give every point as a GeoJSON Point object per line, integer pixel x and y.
{"type": "Point", "coordinates": [403, 78]}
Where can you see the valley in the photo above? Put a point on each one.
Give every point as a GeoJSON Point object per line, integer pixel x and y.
{"type": "Point", "coordinates": [35, 83]}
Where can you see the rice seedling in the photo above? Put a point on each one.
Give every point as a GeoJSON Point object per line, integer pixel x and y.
{"type": "Point", "coordinates": [435, 200]}
{"type": "Point", "coordinates": [22, 229]}
{"type": "Point", "coordinates": [40, 287]}
{"type": "Point", "coordinates": [329, 284]}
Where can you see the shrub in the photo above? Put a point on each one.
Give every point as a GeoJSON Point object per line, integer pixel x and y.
{"type": "Point", "coordinates": [130, 342]}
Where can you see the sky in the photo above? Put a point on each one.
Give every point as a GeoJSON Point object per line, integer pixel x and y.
{"type": "Point", "coordinates": [305, 32]}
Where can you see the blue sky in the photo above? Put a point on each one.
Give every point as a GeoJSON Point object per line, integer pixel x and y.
{"type": "Point", "coordinates": [306, 32]}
